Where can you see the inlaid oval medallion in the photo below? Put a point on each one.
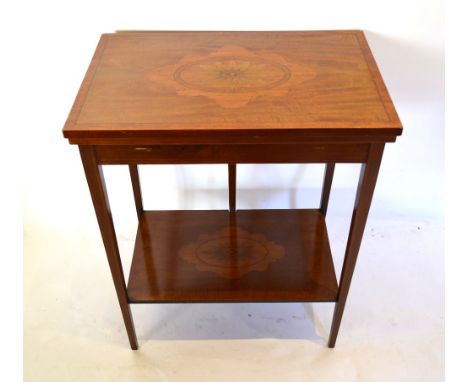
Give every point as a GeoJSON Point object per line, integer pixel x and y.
{"type": "Point", "coordinates": [231, 252]}
{"type": "Point", "coordinates": [232, 75]}
{"type": "Point", "coordinates": [219, 252]}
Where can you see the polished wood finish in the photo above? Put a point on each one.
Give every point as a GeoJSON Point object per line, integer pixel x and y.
{"type": "Point", "coordinates": [365, 190]}
{"type": "Point", "coordinates": [326, 187]}
{"type": "Point", "coordinates": [172, 86]}
{"type": "Point", "coordinates": [232, 97]}
{"type": "Point", "coordinates": [253, 136]}
{"type": "Point", "coordinates": [232, 169]}
{"type": "Point", "coordinates": [135, 178]}
{"type": "Point", "coordinates": [97, 187]}
{"type": "Point", "coordinates": [275, 153]}
{"type": "Point", "coordinates": [201, 256]}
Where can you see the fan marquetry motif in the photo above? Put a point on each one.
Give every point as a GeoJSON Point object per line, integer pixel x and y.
{"type": "Point", "coordinates": [233, 76]}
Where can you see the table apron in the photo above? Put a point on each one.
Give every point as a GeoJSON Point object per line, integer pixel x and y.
{"type": "Point", "coordinates": [248, 153]}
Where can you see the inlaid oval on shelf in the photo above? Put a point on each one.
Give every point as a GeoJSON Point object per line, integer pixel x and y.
{"type": "Point", "coordinates": [232, 252]}
{"type": "Point", "coordinates": [221, 252]}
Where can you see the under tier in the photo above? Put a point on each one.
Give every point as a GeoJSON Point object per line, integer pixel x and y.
{"type": "Point", "coordinates": [222, 256]}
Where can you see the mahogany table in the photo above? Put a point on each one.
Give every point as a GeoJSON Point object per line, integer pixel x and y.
{"type": "Point", "coordinates": [232, 97]}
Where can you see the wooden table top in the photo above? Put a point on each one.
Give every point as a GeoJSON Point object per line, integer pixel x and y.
{"type": "Point", "coordinates": [182, 87]}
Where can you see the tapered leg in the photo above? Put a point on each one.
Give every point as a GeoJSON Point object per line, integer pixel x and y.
{"type": "Point", "coordinates": [367, 180]}
{"type": "Point", "coordinates": [232, 186]}
{"type": "Point", "coordinates": [134, 176]}
{"type": "Point", "coordinates": [326, 188]}
{"type": "Point", "coordinates": [97, 188]}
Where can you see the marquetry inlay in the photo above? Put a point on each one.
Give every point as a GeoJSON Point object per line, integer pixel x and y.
{"type": "Point", "coordinates": [232, 252]}
{"type": "Point", "coordinates": [233, 76]}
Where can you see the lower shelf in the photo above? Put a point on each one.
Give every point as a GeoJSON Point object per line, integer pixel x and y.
{"type": "Point", "coordinates": [245, 256]}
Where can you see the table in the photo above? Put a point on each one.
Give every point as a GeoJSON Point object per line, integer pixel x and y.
{"type": "Point", "coordinates": [229, 98]}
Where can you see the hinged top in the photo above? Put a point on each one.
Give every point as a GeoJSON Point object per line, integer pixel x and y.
{"type": "Point", "coordinates": [232, 87]}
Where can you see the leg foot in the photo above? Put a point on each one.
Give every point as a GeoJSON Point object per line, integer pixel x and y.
{"type": "Point", "coordinates": [365, 190]}
{"type": "Point", "coordinates": [97, 188]}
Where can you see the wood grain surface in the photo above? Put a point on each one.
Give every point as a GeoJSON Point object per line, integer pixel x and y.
{"type": "Point", "coordinates": [168, 84]}
{"type": "Point", "coordinates": [249, 255]}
